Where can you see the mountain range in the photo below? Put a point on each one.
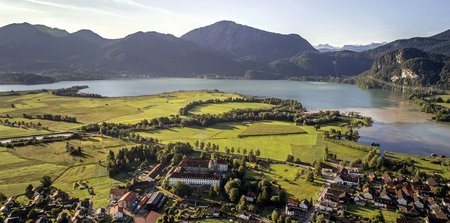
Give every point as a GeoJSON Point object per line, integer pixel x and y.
{"type": "Point", "coordinates": [355, 48]}
{"type": "Point", "coordinates": [224, 49]}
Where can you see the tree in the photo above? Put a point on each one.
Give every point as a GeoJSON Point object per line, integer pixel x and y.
{"type": "Point", "coordinates": [181, 189]}
{"type": "Point", "coordinates": [287, 220]}
{"type": "Point", "coordinates": [326, 153]}
{"type": "Point", "coordinates": [310, 177]}
{"type": "Point", "coordinates": [378, 217]}
{"type": "Point", "coordinates": [3, 197]}
{"type": "Point", "coordinates": [46, 181]}
{"type": "Point", "coordinates": [257, 152]}
{"type": "Point", "coordinates": [439, 191]}
{"type": "Point", "coordinates": [29, 191]}
{"type": "Point", "coordinates": [32, 214]}
{"type": "Point", "coordinates": [318, 168]}
{"type": "Point", "coordinates": [233, 194]}
{"type": "Point", "coordinates": [275, 215]}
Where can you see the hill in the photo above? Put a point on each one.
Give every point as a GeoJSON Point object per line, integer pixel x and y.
{"type": "Point", "coordinates": [244, 42]}
{"type": "Point", "coordinates": [341, 63]}
{"type": "Point", "coordinates": [407, 68]}
{"type": "Point", "coordinates": [437, 44]}
{"type": "Point", "coordinates": [354, 48]}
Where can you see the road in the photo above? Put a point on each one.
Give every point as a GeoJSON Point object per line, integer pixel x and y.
{"type": "Point", "coordinates": [329, 178]}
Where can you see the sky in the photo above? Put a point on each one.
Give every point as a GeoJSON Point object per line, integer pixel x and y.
{"type": "Point", "coordinates": [336, 22]}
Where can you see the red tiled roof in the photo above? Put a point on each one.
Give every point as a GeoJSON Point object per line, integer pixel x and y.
{"type": "Point", "coordinates": [151, 217]}
{"type": "Point", "coordinates": [128, 197]}
{"type": "Point", "coordinates": [204, 163]}
{"type": "Point", "coordinates": [119, 192]}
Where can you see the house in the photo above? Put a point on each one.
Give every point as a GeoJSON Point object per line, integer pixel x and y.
{"type": "Point", "coordinates": [432, 182]}
{"type": "Point", "coordinates": [446, 202]}
{"type": "Point", "coordinates": [438, 213]}
{"type": "Point", "coordinates": [194, 178]}
{"type": "Point", "coordinates": [295, 208]}
{"type": "Point", "coordinates": [400, 198]}
{"type": "Point", "coordinates": [400, 178]}
{"type": "Point", "coordinates": [431, 202]}
{"type": "Point", "coordinates": [384, 195]}
{"type": "Point", "coordinates": [151, 217]}
{"type": "Point", "coordinates": [157, 168]}
{"type": "Point", "coordinates": [250, 196]}
{"type": "Point", "coordinates": [417, 202]}
{"type": "Point", "coordinates": [116, 212]}
{"type": "Point", "coordinates": [127, 200]}
{"type": "Point", "coordinates": [344, 177]}
{"type": "Point", "coordinates": [386, 178]}
{"type": "Point", "coordinates": [305, 205]}
{"type": "Point", "coordinates": [372, 177]}
{"type": "Point", "coordinates": [415, 180]}
{"type": "Point", "coordinates": [214, 212]}
{"type": "Point", "coordinates": [154, 199]}
{"type": "Point", "coordinates": [366, 194]}
{"type": "Point", "coordinates": [116, 193]}
{"type": "Point", "coordinates": [359, 200]}
{"type": "Point", "coordinates": [245, 216]}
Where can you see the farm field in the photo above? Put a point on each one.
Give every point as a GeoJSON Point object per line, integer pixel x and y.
{"type": "Point", "coordinates": [367, 212]}
{"type": "Point", "coordinates": [94, 110]}
{"type": "Point", "coordinates": [94, 149]}
{"type": "Point", "coordinates": [51, 125]}
{"type": "Point", "coordinates": [11, 132]}
{"type": "Point", "coordinates": [16, 173]}
{"type": "Point", "coordinates": [425, 163]}
{"type": "Point", "coordinates": [225, 107]}
{"type": "Point", "coordinates": [95, 175]}
{"type": "Point", "coordinates": [27, 165]}
{"type": "Point", "coordinates": [227, 135]}
{"type": "Point", "coordinates": [311, 153]}
{"type": "Point", "coordinates": [307, 146]}
{"type": "Point", "coordinates": [260, 129]}
{"type": "Point", "coordinates": [286, 176]}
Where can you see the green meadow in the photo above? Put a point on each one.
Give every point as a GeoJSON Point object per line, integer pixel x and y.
{"type": "Point", "coordinates": [10, 132]}
{"type": "Point", "coordinates": [288, 178]}
{"type": "Point", "coordinates": [431, 165]}
{"type": "Point", "coordinates": [94, 110]}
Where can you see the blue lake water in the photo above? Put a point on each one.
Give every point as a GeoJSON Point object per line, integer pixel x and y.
{"type": "Point", "coordinates": [398, 125]}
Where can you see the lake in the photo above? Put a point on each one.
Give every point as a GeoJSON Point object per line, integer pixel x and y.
{"type": "Point", "coordinates": [399, 126]}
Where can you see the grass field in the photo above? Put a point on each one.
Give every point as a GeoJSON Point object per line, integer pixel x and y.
{"type": "Point", "coordinates": [95, 175]}
{"type": "Point", "coordinates": [311, 153]}
{"type": "Point", "coordinates": [286, 177]}
{"type": "Point", "coordinates": [51, 125]}
{"type": "Point", "coordinates": [307, 146]}
{"type": "Point", "coordinates": [16, 173]}
{"type": "Point", "coordinates": [424, 163]}
{"type": "Point", "coordinates": [227, 135]}
{"type": "Point", "coordinates": [94, 110]}
{"type": "Point", "coordinates": [367, 212]}
{"type": "Point", "coordinates": [27, 165]}
{"type": "Point", "coordinates": [10, 132]}
{"type": "Point", "coordinates": [225, 107]}
{"type": "Point", "coordinates": [260, 129]}
{"type": "Point", "coordinates": [94, 149]}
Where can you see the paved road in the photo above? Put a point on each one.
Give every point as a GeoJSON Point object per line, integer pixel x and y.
{"type": "Point", "coordinates": [329, 178]}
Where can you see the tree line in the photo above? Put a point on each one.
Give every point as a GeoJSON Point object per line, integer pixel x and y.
{"type": "Point", "coordinates": [146, 153]}
{"type": "Point", "coordinates": [74, 92]}
{"type": "Point", "coordinates": [50, 117]}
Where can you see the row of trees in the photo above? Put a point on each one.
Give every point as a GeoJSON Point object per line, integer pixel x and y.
{"type": "Point", "coordinates": [248, 99]}
{"type": "Point", "coordinates": [58, 118]}
{"type": "Point", "coordinates": [428, 105]}
{"type": "Point", "coordinates": [22, 124]}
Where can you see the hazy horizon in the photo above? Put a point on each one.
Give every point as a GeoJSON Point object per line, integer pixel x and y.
{"type": "Point", "coordinates": [319, 22]}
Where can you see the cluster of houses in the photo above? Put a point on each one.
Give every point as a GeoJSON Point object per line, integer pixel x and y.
{"type": "Point", "coordinates": [409, 195]}
{"type": "Point", "coordinates": [198, 172]}
{"type": "Point", "coordinates": [44, 206]}
{"type": "Point", "coordinates": [140, 201]}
